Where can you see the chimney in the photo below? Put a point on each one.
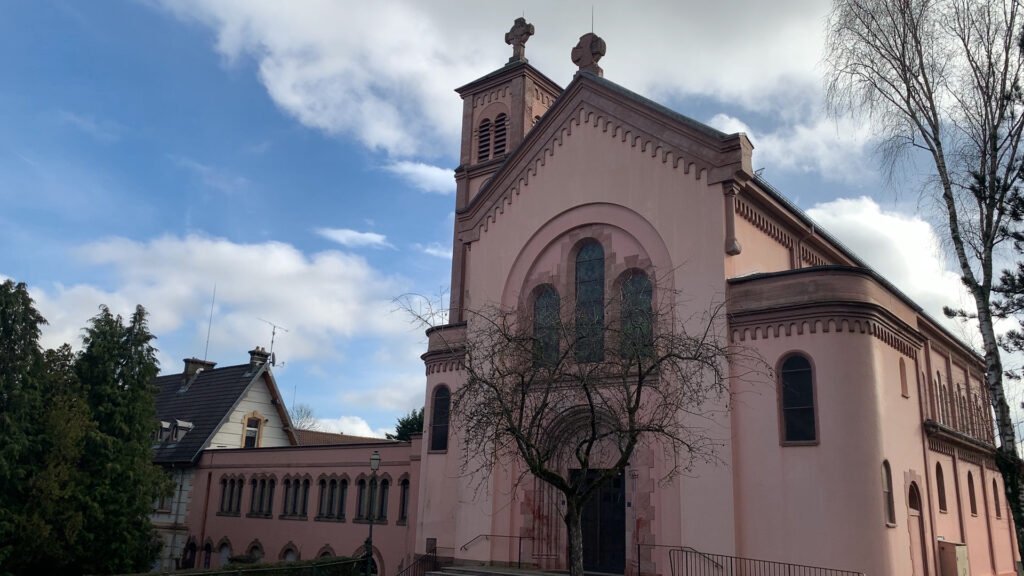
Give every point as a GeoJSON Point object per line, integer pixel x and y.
{"type": "Point", "coordinates": [258, 357]}
{"type": "Point", "coordinates": [194, 365]}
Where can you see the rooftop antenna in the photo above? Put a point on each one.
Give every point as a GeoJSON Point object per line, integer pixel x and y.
{"type": "Point", "coordinates": [591, 18]}
{"type": "Point", "coordinates": [209, 324]}
{"type": "Point", "coordinates": [273, 336]}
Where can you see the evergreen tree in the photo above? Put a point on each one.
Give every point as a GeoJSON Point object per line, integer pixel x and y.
{"type": "Point", "coordinates": [411, 423]}
{"type": "Point", "coordinates": [116, 370]}
{"type": "Point", "coordinates": [20, 403]}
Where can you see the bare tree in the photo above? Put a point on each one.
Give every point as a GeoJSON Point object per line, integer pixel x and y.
{"type": "Point", "coordinates": [303, 417]}
{"type": "Point", "coordinates": [570, 395]}
{"type": "Point", "coordinates": [941, 79]}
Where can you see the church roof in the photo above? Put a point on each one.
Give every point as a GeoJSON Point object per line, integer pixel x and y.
{"type": "Point", "coordinates": [205, 402]}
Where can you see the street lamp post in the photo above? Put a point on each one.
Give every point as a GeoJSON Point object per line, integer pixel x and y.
{"type": "Point", "coordinates": [374, 465]}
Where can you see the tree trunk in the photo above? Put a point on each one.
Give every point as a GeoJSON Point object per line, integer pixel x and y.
{"type": "Point", "coordinates": [573, 521]}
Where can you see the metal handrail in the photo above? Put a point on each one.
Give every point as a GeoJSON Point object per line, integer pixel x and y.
{"type": "Point", "coordinates": [748, 566]}
{"type": "Point", "coordinates": [672, 547]}
{"type": "Point", "coordinates": [519, 560]}
{"type": "Point", "coordinates": [418, 568]}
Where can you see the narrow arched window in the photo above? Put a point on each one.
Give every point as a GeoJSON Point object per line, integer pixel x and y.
{"type": "Point", "coordinates": [637, 336]}
{"type": "Point", "coordinates": [483, 138]}
{"type": "Point", "coordinates": [304, 507]}
{"type": "Point", "coordinates": [224, 495]}
{"type": "Point", "coordinates": [914, 498]}
{"type": "Point", "coordinates": [500, 134]}
{"type": "Point", "coordinates": [940, 486]}
{"type": "Point", "coordinates": [322, 511]}
{"type": "Point", "coordinates": [342, 498]}
{"type": "Point", "coordinates": [970, 494]}
{"type": "Point", "coordinates": [382, 500]}
{"type": "Point", "coordinates": [995, 499]}
{"type": "Point", "coordinates": [890, 505]}
{"type": "Point", "coordinates": [590, 303]}
{"type": "Point", "coordinates": [546, 309]}
{"type": "Point", "coordinates": [799, 424]}
{"type": "Point", "coordinates": [332, 498]}
{"type": "Point", "coordinates": [361, 504]}
{"type": "Point", "coordinates": [403, 500]}
{"type": "Point", "coordinates": [439, 419]}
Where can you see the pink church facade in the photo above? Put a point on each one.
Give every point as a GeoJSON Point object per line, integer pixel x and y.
{"type": "Point", "coordinates": [869, 447]}
{"type": "Point", "coordinates": [880, 463]}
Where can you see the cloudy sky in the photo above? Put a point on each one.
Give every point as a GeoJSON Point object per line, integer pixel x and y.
{"type": "Point", "coordinates": [298, 156]}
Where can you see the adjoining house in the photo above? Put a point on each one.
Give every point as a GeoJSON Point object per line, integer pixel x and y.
{"type": "Point", "coordinates": [870, 450]}
{"type": "Point", "coordinates": [248, 484]}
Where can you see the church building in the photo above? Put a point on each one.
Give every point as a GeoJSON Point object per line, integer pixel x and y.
{"type": "Point", "coordinates": [867, 447]}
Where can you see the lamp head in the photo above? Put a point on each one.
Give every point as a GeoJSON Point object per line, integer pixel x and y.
{"type": "Point", "coordinates": [375, 461]}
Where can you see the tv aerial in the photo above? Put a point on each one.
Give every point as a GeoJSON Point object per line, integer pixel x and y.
{"type": "Point", "coordinates": [273, 336]}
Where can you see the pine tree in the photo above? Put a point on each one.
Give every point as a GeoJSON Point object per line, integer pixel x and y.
{"type": "Point", "coordinates": [411, 423]}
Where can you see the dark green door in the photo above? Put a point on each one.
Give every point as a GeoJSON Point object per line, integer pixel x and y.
{"type": "Point", "coordinates": [604, 528]}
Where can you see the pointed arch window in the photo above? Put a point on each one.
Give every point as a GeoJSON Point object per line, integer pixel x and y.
{"type": "Point", "coordinates": [887, 495]}
{"type": "Point", "coordinates": [637, 335]}
{"type": "Point", "coordinates": [483, 148]}
{"type": "Point", "coordinates": [500, 134]}
{"type": "Point", "coordinates": [546, 308]}
{"type": "Point", "coordinates": [799, 421]}
{"type": "Point", "coordinates": [940, 486]}
{"type": "Point", "coordinates": [590, 302]}
{"type": "Point", "coordinates": [403, 500]}
{"type": "Point", "coordinates": [904, 386]}
{"type": "Point", "coordinates": [439, 419]}
{"type": "Point", "coordinates": [970, 494]}
{"type": "Point", "coordinates": [382, 499]}
{"type": "Point", "coordinates": [361, 499]}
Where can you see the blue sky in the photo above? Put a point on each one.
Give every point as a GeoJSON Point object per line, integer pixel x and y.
{"type": "Point", "coordinates": [299, 156]}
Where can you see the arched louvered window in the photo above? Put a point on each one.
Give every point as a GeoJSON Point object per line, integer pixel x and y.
{"type": "Point", "coordinates": [799, 421]}
{"type": "Point", "coordinates": [439, 418]}
{"type": "Point", "coordinates": [500, 134]}
{"type": "Point", "coordinates": [940, 486]}
{"type": "Point", "coordinates": [890, 504]}
{"type": "Point", "coordinates": [483, 138]}
{"type": "Point", "coordinates": [546, 310]}
{"type": "Point", "coordinates": [970, 494]}
{"type": "Point", "coordinates": [637, 335]}
{"type": "Point", "coordinates": [590, 303]}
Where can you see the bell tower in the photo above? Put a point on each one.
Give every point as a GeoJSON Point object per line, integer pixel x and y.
{"type": "Point", "coordinates": [498, 110]}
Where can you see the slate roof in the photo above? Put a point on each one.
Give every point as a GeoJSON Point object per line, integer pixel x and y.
{"type": "Point", "coordinates": [205, 403]}
{"type": "Point", "coordinates": [318, 438]}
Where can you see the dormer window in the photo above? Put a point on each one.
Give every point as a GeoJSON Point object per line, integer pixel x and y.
{"type": "Point", "coordinates": [164, 432]}
{"type": "Point", "coordinates": [181, 428]}
{"type": "Point", "coordinates": [252, 432]}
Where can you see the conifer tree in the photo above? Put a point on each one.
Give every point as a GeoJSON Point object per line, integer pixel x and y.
{"type": "Point", "coordinates": [116, 370]}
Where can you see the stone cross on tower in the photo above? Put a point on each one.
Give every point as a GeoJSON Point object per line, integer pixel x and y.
{"type": "Point", "coordinates": [517, 37]}
{"type": "Point", "coordinates": [587, 52]}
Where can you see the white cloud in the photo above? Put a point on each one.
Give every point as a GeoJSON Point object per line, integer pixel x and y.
{"type": "Point", "coordinates": [320, 297]}
{"type": "Point", "coordinates": [837, 149]}
{"type": "Point", "coordinates": [384, 72]}
{"type": "Point", "coordinates": [903, 248]}
{"type": "Point", "coordinates": [352, 425]}
{"type": "Point", "coordinates": [424, 176]}
{"type": "Point", "coordinates": [434, 249]}
{"type": "Point", "coordinates": [353, 238]}
{"type": "Point", "coordinates": [210, 176]}
{"type": "Point", "coordinates": [104, 131]}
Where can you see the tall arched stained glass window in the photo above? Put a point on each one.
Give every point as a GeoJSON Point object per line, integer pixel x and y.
{"type": "Point", "coordinates": [637, 336]}
{"type": "Point", "coordinates": [439, 419]}
{"type": "Point", "coordinates": [799, 423]}
{"type": "Point", "coordinates": [590, 303]}
{"type": "Point", "coordinates": [545, 325]}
